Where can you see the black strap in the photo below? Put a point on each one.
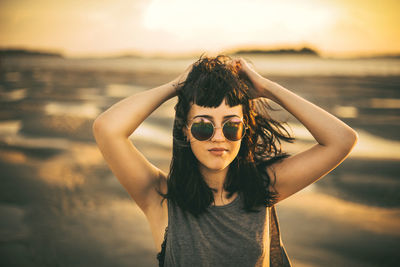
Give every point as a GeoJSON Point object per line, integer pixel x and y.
{"type": "Point", "coordinates": [161, 254]}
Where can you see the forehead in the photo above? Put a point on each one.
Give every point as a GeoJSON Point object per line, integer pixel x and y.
{"type": "Point", "coordinates": [218, 112]}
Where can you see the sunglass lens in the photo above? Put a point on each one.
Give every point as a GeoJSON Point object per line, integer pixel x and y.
{"type": "Point", "coordinates": [202, 130]}
{"type": "Point", "coordinates": [233, 130]}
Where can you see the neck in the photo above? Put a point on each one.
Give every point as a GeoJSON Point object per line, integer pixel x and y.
{"type": "Point", "coordinates": [215, 179]}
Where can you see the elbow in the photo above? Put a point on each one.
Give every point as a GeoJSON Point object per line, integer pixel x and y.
{"type": "Point", "coordinates": [98, 127]}
{"type": "Point", "coordinates": [104, 128]}
{"type": "Point", "coordinates": [96, 123]}
{"type": "Point", "coordinates": [95, 128]}
{"type": "Point", "coordinates": [350, 141]}
{"type": "Point", "coordinates": [353, 137]}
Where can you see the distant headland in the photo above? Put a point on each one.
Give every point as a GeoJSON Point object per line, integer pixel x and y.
{"type": "Point", "coordinates": [27, 52]}
{"type": "Point", "coordinates": [303, 51]}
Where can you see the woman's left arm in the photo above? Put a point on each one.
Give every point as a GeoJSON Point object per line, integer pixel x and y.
{"type": "Point", "coordinates": [335, 138]}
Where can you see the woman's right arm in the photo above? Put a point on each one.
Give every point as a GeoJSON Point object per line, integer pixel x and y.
{"type": "Point", "coordinates": [112, 129]}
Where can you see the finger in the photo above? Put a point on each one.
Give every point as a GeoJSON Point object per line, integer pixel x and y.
{"type": "Point", "coordinates": [237, 62]}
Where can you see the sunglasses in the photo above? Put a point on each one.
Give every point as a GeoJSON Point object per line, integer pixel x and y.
{"type": "Point", "coordinates": [203, 129]}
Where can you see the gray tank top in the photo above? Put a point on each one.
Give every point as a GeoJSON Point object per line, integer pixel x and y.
{"type": "Point", "coordinates": [223, 236]}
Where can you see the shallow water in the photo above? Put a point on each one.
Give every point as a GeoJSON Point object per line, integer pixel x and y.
{"type": "Point", "coordinates": [61, 206]}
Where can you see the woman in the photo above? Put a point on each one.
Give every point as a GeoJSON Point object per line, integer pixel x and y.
{"type": "Point", "coordinates": [227, 172]}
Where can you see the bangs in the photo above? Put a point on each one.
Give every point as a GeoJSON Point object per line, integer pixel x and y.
{"type": "Point", "coordinates": [211, 81]}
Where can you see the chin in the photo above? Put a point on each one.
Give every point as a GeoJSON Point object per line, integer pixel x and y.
{"type": "Point", "coordinates": [216, 166]}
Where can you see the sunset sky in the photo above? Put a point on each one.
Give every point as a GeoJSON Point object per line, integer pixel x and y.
{"type": "Point", "coordinates": [105, 27]}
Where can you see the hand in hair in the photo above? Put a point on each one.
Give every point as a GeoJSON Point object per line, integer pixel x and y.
{"type": "Point", "coordinates": [259, 88]}
{"type": "Point", "coordinates": [177, 82]}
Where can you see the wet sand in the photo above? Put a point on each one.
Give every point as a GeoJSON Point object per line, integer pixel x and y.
{"type": "Point", "coordinates": [61, 206]}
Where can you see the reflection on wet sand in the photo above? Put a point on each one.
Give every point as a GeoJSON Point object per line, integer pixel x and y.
{"type": "Point", "coordinates": [373, 219]}
{"type": "Point", "coordinates": [10, 127]}
{"type": "Point", "coordinates": [70, 168]}
{"type": "Point", "coordinates": [116, 233]}
{"type": "Point", "coordinates": [85, 110]}
{"type": "Point", "coordinates": [14, 95]}
{"type": "Point", "coordinates": [60, 125]}
{"type": "Point", "coordinates": [14, 157]}
{"type": "Point", "coordinates": [317, 227]}
{"type": "Point", "coordinates": [345, 111]}
{"type": "Point", "coordinates": [385, 103]}
{"type": "Point", "coordinates": [371, 146]}
{"type": "Point", "coordinates": [368, 145]}
{"type": "Point", "coordinates": [123, 90]}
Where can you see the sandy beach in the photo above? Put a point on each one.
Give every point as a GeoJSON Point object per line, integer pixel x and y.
{"type": "Point", "coordinates": [61, 205]}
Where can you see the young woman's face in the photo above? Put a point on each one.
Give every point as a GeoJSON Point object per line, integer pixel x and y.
{"type": "Point", "coordinates": [209, 153]}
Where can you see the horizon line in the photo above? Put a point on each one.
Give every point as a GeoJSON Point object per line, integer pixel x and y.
{"type": "Point", "coordinates": [254, 50]}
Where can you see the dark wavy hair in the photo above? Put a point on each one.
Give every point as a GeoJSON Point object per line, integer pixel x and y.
{"type": "Point", "coordinates": [211, 81]}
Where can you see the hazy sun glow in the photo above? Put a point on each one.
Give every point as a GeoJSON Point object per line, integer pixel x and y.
{"type": "Point", "coordinates": [334, 27]}
{"type": "Point", "coordinates": [207, 23]}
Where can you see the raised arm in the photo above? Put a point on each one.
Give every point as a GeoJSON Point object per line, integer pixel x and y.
{"type": "Point", "coordinates": [335, 138]}
{"type": "Point", "coordinates": [111, 130]}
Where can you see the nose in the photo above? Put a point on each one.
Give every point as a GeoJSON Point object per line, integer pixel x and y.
{"type": "Point", "coordinates": [218, 135]}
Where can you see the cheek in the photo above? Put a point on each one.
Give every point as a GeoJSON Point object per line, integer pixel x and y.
{"type": "Point", "coordinates": [235, 148]}
{"type": "Point", "coordinates": [197, 149]}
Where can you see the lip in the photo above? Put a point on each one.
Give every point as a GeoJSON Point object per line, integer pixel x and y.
{"type": "Point", "coordinates": [217, 151]}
